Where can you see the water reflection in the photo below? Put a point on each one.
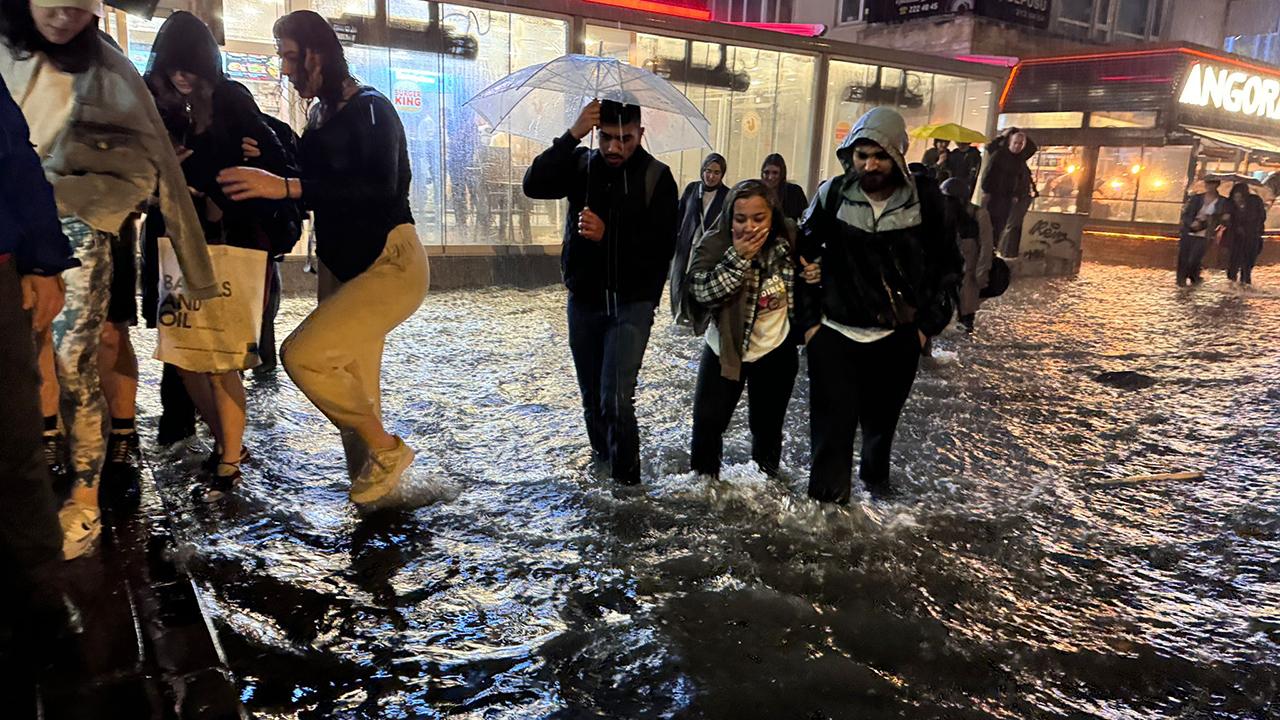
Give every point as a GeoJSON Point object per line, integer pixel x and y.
{"type": "Point", "coordinates": [1002, 584]}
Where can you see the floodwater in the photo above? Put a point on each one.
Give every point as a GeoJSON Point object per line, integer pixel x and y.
{"type": "Point", "coordinates": [1004, 581]}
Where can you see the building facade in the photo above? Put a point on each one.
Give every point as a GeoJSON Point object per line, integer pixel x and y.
{"type": "Point", "coordinates": [763, 92]}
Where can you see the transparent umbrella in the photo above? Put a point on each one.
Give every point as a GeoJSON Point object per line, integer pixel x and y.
{"type": "Point", "coordinates": [542, 101]}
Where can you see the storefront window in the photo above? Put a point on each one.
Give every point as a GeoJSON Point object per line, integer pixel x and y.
{"type": "Point", "coordinates": [409, 12]}
{"type": "Point", "coordinates": [251, 20]}
{"type": "Point", "coordinates": [1042, 120]}
{"type": "Point", "coordinates": [1057, 171]}
{"type": "Point", "coordinates": [1116, 119]}
{"type": "Point", "coordinates": [756, 101]}
{"type": "Point", "coordinates": [1162, 181]}
{"type": "Point", "coordinates": [1115, 185]}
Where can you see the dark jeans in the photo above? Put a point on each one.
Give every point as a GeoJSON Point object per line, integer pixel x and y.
{"type": "Point", "coordinates": [607, 351]}
{"type": "Point", "coordinates": [854, 384]}
{"type": "Point", "coordinates": [771, 379]}
{"type": "Point", "coordinates": [1241, 260]}
{"type": "Point", "coordinates": [267, 339]}
{"type": "Point", "coordinates": [30, 536]}
{"type": "Point", "coordinates": [999, 208]}
{"type": "Point", "coordinates": [1191, 250]}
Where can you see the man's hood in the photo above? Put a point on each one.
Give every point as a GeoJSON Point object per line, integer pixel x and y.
{"type": "Point", "coordinates": [884, 127]}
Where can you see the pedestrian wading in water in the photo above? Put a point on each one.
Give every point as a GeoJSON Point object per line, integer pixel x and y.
{"type": "Point", "coordinates": [742, 284]}
{"type": "Point", "coordinates": [701, 207]}
{"type": "Point", "coordinates": [105, 151]}
{"type": "Point", "coordinates": [618, 243]}
{"type": "Point", "coordinates": [208, 118]}
{"type": "Point", "coordinates": [890, 268]}
{"type": "Point", "coordinates": [354, 175]}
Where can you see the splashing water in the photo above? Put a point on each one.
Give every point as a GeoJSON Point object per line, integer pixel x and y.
{"type": "Point", "coordinates": [511, 581]}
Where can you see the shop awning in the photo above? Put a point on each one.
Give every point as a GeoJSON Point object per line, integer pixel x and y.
{"type": "Point", "coordinates": [1238, 140]}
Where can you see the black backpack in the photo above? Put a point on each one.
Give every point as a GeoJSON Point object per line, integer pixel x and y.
{"type": "Point", "coordinates": [284, 227]}
{"type": "Point", "coordinates": [997, 279]}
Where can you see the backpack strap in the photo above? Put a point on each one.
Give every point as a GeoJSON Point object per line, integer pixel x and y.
{"type": "Point", "coordinates": [652, 174]}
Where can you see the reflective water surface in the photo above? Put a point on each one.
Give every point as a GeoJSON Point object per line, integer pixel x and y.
{"type": "Point", "coordinates": [1003, 582]}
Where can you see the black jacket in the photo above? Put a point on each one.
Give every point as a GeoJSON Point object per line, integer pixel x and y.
{"type": "Point", "coordinates": [693, 222]}
{"type": "Point", "coordinates": [880, 278]}
{"type": "Point", "coordinates": [794, 202]}
{"type": "Point", "coordinates": [632, 260]}
{"type": "Point", "coordinates": [1192, 209]}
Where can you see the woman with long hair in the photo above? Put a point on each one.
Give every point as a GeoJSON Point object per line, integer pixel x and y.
{"type": "Point", "coordinates": [701, 206]}
{"type": "Point", "coordinates": [354, 174]}
{"type": "Point", "coordinates": [209, 117]}
{"type": "Point", "coordinates": [744, 275]}
{"type": "Point", "coordinates": [105, 151]}
{"type": "Point", "coordinates": [1247, 218]}
{"type": "Point", "coordinates": [791, 197]}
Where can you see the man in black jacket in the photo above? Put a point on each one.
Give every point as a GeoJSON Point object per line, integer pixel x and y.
{"type": "Point", "coordinates": [1201, 217]}
{"type": "Point", "coordinates": [890, 267]}
{"type": "Point", "coordinates": [618, 241]}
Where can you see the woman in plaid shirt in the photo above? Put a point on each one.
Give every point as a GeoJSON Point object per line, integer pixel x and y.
{"type": "Point", "coordinates": [741, 281]}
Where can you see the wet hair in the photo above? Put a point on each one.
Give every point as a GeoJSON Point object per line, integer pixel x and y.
{"type": "Point", "coordinates": [18, 30]}
{"type": "Point", "coordinates": [615, 113]}
{"type": "Point", "coordinates": [716, 158]}
{"type": "Point", "coordinates": [312, 32]}
{"type": "Point", "coordinates": [776, 160]}
{"type": "Point", "coordinates": [1239, 189]}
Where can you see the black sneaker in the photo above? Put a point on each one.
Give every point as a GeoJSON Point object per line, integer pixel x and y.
{"type": "Point", "coordinates": [57, 457]}
{"type": "Point", "coordinates": [223, 481]}
{"type": "Point", "coordinates": [122, 473]}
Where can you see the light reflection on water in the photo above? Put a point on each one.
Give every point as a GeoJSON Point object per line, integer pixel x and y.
{"type": "Point", "coordinates": [1000, 585]}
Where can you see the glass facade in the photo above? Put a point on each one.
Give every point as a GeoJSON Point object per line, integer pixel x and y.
{"type": "Point", "coordinates": [466, 178]}
{"type": "Point", "coordinates": [757, 101]}
{"type": "Point", "coordinates": [1140, 184]}
{"type": "Point", "coordinates": [922, 98]}
{"type": "Point", "coordinates": [1057, 172]}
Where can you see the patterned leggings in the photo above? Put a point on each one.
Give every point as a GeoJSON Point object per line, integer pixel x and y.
{"type": "Point", "coordinates": [76, 333]}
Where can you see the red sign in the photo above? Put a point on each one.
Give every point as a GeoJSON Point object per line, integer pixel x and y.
{"type": "Point", "coordinates": [691, 9]}
{"type": "Point", "coordinates": [407, 97]}
{"type": "Point", "coordinates": [842, 130]}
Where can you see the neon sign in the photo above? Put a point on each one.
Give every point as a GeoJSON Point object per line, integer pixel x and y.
{"type": "Point", "coordinates": [1234, 91]}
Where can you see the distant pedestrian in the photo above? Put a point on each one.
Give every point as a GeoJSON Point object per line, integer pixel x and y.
{"type": "Point", "coordinates": [701, 206]}
{"type": "Point", "coordinates": [964, 162]}
{"type": "Point", "coordinates": [1007, 189]}
{"type": "Point", "coordinates": [1201, 218]}
{"type": "Point", "coordinates": [354, 175]}
{"type": "Point", "coordinates": [935, 153]}
{"type": "Point", "coordinates": [618, 244]}
{"type": "Point", "coordinates": [1247, 217]}
{"type": "Point", "coordinates": [889, 273]}
{"type": "Point", "coordinates": [975, 248]}
{"type": "Point", "coordinates": [790, 195]}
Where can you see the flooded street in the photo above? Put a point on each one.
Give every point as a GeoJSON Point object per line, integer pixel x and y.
{"type": "Point", "coordinates": [1003, 582]}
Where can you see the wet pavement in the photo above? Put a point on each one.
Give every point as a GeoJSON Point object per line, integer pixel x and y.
{"type": "Point", "coordinates": [1004, 581]}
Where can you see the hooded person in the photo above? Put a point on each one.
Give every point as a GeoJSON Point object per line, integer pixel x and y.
{"type": "Point", "coordinates": [701, 206]}
{"type": "Point", "coordinates": [742, 277]}
{"type": "Point", "coordinates": [619, 239]}
{"type": "Point", "coordinates": [790, 195]}
{"type": "Point", "coordinates": [209, 119]}
{"type": "Point", "coordinates": [105, 151]}
{"type": "Point", "coordinates": [890, 268]}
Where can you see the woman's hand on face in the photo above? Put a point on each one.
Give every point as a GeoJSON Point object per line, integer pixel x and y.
{"type": "Point", "coordinates": [245, 183]}
{"type": "Point", "coordinates": [811, 271]}
{"type": "Point", "coordinates": [749, 243]}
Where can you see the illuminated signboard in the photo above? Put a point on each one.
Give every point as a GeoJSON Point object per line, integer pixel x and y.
{"type": "Point", "coordinates": [1232, 90]}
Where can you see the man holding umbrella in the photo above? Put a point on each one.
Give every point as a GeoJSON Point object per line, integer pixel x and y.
{"type": "Point", "coordinates": [618, 241]}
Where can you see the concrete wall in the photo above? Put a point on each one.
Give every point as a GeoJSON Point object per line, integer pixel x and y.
{"type": "Point", "coordinates": [1199, 21]}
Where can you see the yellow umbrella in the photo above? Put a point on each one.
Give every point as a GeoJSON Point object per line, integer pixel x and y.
{"type": "Point", "coordinates": [949, 131]}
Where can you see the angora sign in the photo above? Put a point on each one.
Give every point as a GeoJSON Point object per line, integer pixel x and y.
{"type": "Point", "coordinates": [1234, 91]}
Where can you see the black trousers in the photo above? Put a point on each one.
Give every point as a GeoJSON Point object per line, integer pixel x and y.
{"type": "Point", "coordinates": [1191, 250]}
{"type": "Point", "coordinates": [768, 381]}
{"type": "Point", "coordinates": [267, 339]}
{"type": "Point", "coordinates": [30, 536]}
{"type": "Point", "coordinates": [851, 385]}
{"type": "Point", "coordinates": [1241, 260]}
{"type": "Point", "coordinates": [608, 347]}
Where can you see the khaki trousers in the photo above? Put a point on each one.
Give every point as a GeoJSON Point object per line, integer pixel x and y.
{"type": "Point", "coordinates": [335, 355]}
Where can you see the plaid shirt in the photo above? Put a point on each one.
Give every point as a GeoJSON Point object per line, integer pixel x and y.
{"type": "Point", "coordinates": [734, 273]}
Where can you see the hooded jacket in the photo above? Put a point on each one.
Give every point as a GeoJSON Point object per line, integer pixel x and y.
{"type": "Point", "coordinates": [185, 43]}
{"type": "Point", "coordinates": [900, 269]}
{"type": "Point", "coordinates": [693, 223]}
{"type": "Point", "coordinates": [113, 153]}
{"type": "Point", "coordinates": [725, 288]}
{"type": "Point", "coordinates": [632, 260]}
